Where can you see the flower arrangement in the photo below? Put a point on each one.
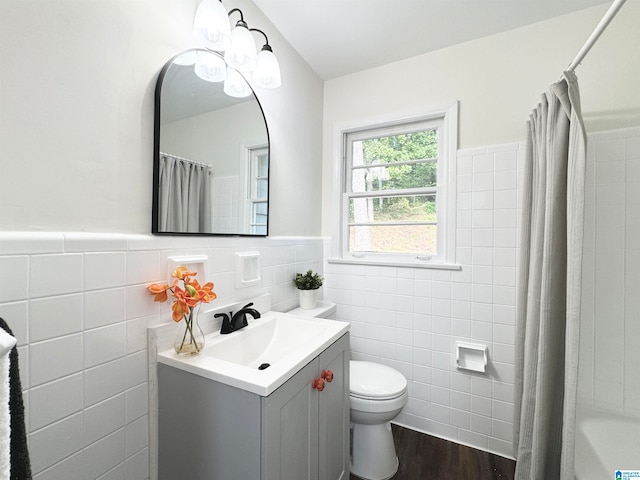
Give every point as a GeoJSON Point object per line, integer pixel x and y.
{"type": "Point", "coordinates": [187, 297]}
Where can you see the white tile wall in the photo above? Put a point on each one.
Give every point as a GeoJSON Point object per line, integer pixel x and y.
{"type": "Point", "coordinates": [79, 307]}
{"type": "Point", "coordinates": [610, 332]}
{"type": "Point", "coordinates": [225, 203]}
{"type": "Point", "coordinates": [410, 318]}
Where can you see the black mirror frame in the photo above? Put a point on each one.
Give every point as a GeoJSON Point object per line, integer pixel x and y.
{"type": "Point", "coordinates": [156, 160]}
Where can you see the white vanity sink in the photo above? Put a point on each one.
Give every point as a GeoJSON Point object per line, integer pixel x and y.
{"type": "Point", "coordinates": [284, 341]}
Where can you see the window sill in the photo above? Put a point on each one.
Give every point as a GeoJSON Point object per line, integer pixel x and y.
{"type": "Point", "coordinates": [395, 263]}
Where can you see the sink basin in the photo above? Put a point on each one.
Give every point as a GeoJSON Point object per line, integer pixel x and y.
{"type": "Point", "coordinates": [262, 356]}
{"type": "Point", "coordinates": [265, 341]}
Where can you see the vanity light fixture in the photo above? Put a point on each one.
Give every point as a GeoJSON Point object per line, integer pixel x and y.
{"type": "Point", "coordinates": [212, 28]}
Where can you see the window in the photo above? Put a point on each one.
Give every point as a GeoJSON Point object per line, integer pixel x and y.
{"type": "Point", "coordinates": [397, 191]}
{"type": "Point", "coordinates": [258, 191]}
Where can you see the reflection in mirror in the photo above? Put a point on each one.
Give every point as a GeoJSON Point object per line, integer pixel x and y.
{"type": "Point", "coordinates": [211, 151]}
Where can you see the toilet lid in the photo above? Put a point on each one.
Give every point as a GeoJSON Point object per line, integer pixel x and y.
{"type": "Point", "coordinates": [373, 380]}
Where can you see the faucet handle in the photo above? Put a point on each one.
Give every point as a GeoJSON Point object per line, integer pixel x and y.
{"type": "Point", "coordinates": [226, 322]}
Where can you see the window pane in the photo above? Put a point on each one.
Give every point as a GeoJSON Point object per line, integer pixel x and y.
{"type": "Point", "coordinates": [263, 165]}
{"type": "Point", "coordinates": [259, 218]}
{"type": "Point", "coordinates": [393, 177]}
{"type": "Point", "coordinates": [410, 208]}
{"type": "Point", "coordinates": [262, 187]}
{"type": "Point", "coordinates": [260, 208]}
{"type": "Point", "coordinates": [421, 145]}
{"type": "Point", "coordinates": [415, 239]}
{"type": "Point", "coordinates": [259, 229]}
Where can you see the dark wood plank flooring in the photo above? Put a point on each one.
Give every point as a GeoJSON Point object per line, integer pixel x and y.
{"type": "Point", "coordinates": [423, 457]}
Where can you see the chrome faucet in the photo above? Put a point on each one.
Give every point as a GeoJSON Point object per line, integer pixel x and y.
{"type": "Point", "coordinates": [235, 321]}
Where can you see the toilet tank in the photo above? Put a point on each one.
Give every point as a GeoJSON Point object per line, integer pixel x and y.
{"type": "Point", "coordinates": [323, 310]}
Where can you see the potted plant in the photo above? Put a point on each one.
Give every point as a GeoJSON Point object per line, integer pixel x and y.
{"type": "Point", "coordinates": [308, 285]}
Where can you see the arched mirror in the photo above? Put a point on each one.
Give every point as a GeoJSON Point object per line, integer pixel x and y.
{"type": "Point", "coordinates": [211, 151]}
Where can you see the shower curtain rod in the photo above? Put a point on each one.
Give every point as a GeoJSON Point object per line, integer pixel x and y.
{"type": "Point", "coordinates": [608, 16]}
{"type": "Point", "coordinates": [184, 159]}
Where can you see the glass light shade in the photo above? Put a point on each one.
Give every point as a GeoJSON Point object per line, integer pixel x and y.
{"type": "Point", "coordinates": [210, 67]}
{"type": "Point", "coordinates": [241, 54]}
{"type": "Point", "coordinates": [186, 59]}
{"type": "Point", "coordinates": [235, 85]}
{"type": "Point", "coordinates": [211, 25]}
{"type": "Point", "coordinates": [267, 71]}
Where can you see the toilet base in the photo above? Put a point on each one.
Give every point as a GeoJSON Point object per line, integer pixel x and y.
{"type": "Point", "coordinates": [373, 454]}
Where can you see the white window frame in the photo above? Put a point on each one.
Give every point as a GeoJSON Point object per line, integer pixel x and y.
{"type": "Point", "coordinates": [446, 193]}
{"type": "Point", "coordinates": [250, 152]}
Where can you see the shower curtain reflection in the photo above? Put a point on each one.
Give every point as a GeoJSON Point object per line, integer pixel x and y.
{"type": "Point", "coordinates": [184, 195]}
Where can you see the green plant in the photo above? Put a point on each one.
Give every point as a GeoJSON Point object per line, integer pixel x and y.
{"type": "Point", "coordinates": [308, 281]}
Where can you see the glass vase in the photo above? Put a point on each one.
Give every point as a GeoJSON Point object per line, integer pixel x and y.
{"type": "Point", "coordinates": [190, 338]}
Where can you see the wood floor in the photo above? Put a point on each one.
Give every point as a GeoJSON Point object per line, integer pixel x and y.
{"type": "Point", "coordinates": [423, 457]}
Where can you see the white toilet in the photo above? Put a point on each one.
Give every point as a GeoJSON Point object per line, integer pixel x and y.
{"type": "Point", "coordinates": [377, 395]}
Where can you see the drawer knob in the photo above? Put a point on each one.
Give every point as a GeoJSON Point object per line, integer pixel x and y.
{"type": "Point", "coordinates": [318, 384]}
{"type": "Point", "coordinates": [327, 375]}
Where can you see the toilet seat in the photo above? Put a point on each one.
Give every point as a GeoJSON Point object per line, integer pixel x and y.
{"type": "Point", "coordinates": [373, 381]}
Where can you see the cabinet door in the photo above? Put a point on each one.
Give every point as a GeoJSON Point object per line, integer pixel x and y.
{"type": "Point", "coordinates": [207, 430]}
{"type": "Point", "coordinates": [290, 429]}
{"type": "Point", "coordinates": [333, 413]}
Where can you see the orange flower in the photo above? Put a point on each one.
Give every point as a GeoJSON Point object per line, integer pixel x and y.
{"type": "Point", "coordinates": [181, 272]}
{"type": "Point", "coordinates": [159, 291]}
{"type": "Point", "coordinates": [183, 303]}
{"type": "Point", "coordinates": [187, 298]}
{"type": "Point", "coordinates": [180, 310]}
{"type": "Point", "coordinates": [206, 292]}
{"type": "Point", "coordinates": [183, 296]}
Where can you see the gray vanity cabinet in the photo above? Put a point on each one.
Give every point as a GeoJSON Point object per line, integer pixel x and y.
{"type": "Point", "coordinates": [212, 431]}
{"type": "Point", "coordinates": [306, 432]}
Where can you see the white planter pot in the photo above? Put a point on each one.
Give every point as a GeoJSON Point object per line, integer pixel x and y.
{"type": "Point", "coordinates": [308, 299]}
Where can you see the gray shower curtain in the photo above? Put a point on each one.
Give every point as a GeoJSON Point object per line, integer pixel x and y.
{"type": "Point", "coordinates": [184, 196]}
{"type": "Point", "coordinates": [549, 286]}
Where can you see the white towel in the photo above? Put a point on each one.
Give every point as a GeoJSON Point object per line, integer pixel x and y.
{"type": "Point", "coordinates": [7, 342]}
